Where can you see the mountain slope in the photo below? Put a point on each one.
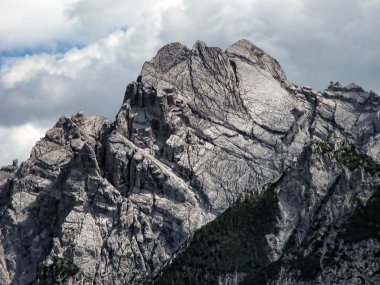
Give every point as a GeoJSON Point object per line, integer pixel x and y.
{"type": "Point", "coordinates": [302, 229]}
{"type": "Point", "coordinates": [200, 130]}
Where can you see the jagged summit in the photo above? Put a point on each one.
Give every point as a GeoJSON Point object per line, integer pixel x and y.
{"type": "Point", "coordinates": [172, 54]}
{"type": "Point", "coordinates": [247, 50]}
{"type": "Point", "coordinates": [200, 131]}
{"type": "Point", "coordinates": [336, 86]}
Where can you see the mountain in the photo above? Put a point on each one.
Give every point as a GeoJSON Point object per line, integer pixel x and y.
{"type": "Point", "coordinates": [216, 170]}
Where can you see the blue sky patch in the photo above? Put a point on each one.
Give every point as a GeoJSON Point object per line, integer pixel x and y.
{"type": "Point", "coordinates": [56, 48]}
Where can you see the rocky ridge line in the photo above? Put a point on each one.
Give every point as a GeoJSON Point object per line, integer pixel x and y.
{"type": "Point", "coordinates": [110, 202]}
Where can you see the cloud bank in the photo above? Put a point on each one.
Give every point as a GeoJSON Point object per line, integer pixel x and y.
{"type": "Point", "coordinates": [62, 56]}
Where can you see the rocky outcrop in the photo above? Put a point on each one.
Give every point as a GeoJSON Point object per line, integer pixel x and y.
{"type": "Point", "coordinates": [317, 224]}
{"type": "Point", "coordinates": [106, 202]}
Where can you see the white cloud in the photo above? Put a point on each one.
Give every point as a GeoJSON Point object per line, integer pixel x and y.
{"type": "Point", "coordinates": [70, 64]}
{"type": "Point", "coordinates": [92, 78]}
{"type": "Point", "coordinates": [96, 18]}
{"type": "Point", "coordinates": [315, 41]}
{"type": "Point", "coordinates": [16, 142]}
{"type": "Point", "coordinates": [26, 24]}
{"type": "Point", "coordinates": [46, 25]}
{"type": "Point", "coordinates": [36, 89]}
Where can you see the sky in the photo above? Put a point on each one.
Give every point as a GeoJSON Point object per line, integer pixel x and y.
{"type": "Point", "coordinates": [59, 57]}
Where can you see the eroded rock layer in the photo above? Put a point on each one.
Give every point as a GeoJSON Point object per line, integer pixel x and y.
{"type": "Point", "coordinates": [201, 130]}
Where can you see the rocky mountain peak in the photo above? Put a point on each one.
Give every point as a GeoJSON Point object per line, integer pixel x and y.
{"type": "Point", "coordinates": [170, 55]}
{"type": "Point", "coordinates": [248, 51]}
{"type": "Point", "coordinates": [203, 133]}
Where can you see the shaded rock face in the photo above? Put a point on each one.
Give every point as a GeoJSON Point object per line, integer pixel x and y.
{"type": "Point", "coordinates": [106, 202]}
{"type": "Point", "coordinates": [317, 224]}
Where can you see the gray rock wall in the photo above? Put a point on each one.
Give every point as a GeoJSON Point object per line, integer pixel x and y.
{"type": "Point", "coordinates": [106, 202]}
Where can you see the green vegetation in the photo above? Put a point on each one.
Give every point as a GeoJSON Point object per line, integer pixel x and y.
{"type": "Point", "coordinates": [57, 272]}
{"type": "Point", "coordinates": [64, 268]}
{"type": "Point", "coordinates": [234, 242]}
{"type": "Point", "coordinates": [365, 222]}
{"type": "Point", "coordinates": [293, 257]}
{"type": "Point", "coordinates": [264, 274]}
{"type": "Point", "coordinates": [307, 264]}
{"type": "Point", "coordinates": [348, 156]}
{"type": "Point", "coordinates": [321, 147]}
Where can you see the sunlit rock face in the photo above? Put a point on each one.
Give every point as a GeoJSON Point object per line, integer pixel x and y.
{"type": "Point", "coordinates": [201, 129]}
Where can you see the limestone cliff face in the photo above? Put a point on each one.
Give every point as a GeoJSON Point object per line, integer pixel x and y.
{"type": "Point", "coordinates": [101, 202]}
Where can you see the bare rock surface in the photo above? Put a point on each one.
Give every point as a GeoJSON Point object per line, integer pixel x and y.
{"type": "Point", "coordinates": [101, 202]}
